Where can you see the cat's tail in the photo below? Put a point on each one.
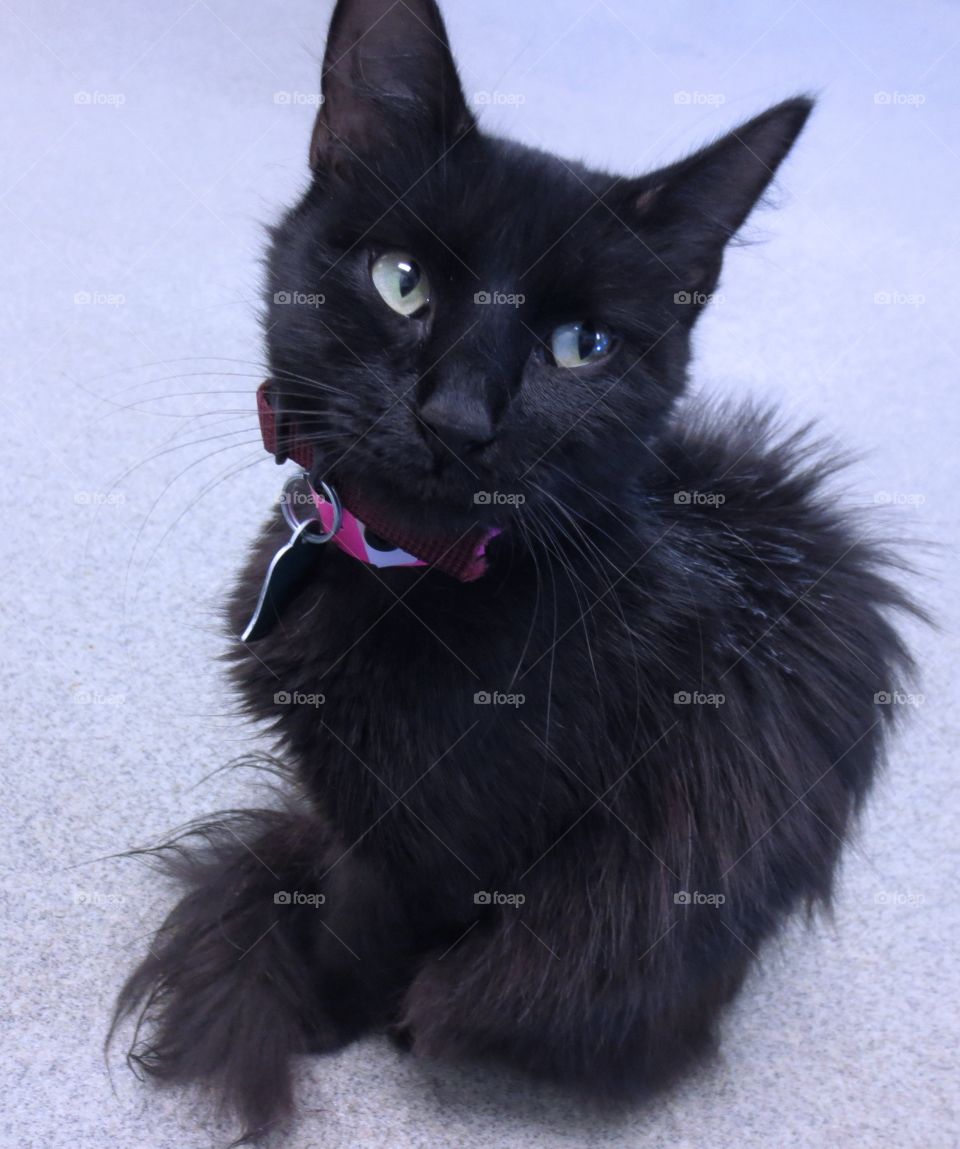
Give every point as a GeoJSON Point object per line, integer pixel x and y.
{"type": "Point", "coordinates": [225, 996]}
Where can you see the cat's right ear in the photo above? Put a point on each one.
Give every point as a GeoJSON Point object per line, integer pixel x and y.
{"type": "Point", "coordinates": [693, 208]}
{"type": "Point", "coordinates": [388, 79]}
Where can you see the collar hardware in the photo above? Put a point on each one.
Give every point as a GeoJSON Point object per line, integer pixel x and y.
{"type": "Point", "coordinates": [355, 526]}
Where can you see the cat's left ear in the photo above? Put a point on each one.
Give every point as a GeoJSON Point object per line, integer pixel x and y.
{"type": "Point", "coordinates": [389, 80]}
{"type": "Point", "coordinates": [693, 208]}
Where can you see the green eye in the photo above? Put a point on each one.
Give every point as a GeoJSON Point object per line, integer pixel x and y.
{"type": "Point", "coordinates": [401, 282]}
{"type": "Point", "coordinates": [577, 344]}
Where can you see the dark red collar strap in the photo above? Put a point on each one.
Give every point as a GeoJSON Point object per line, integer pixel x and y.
{"type": "Point", "coordinates": [299, 450]}
{"type": "Point", "coordinates": [365, 526]}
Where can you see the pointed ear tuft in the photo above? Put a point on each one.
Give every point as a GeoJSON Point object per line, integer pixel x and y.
{"type": "Point", "coordinates": [388, 75]}
{"type": "Point", "coordinates": [699, 204]}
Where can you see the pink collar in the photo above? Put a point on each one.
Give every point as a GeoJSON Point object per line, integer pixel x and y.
{"type": "Point", "coordinates": [463, 557]}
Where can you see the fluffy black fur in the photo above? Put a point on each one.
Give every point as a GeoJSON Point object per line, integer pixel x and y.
{"type": "Point", "coordinates": [660, 551]}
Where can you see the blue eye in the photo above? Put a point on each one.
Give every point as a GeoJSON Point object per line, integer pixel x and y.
{"type": "Point", "coordinates": [577, 344]}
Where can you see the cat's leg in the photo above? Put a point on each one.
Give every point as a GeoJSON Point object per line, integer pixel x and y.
{"type": "Point", "coordinates": [267, 954]}
{"type": "Point", "coordinates": [594, 983]}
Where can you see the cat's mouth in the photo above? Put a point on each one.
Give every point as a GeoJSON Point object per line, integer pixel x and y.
{"type": "Point", "coordinates": [415, 502]}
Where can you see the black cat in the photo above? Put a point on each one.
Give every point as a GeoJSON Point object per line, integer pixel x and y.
{"type": "Point", "coordinates": [551, 791]}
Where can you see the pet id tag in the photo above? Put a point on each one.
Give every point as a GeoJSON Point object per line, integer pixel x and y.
{"type": "Point", "coordinates": [295, 558]}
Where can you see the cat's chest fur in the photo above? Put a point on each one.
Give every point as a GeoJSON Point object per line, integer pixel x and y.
{"type": "Point", "coordinates": [408, 700]}
{"type": "Point", "coordinates": [407, 691]}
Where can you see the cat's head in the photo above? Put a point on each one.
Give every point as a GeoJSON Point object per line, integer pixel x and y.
{"type": "Point", "coordinates": [452, 315]}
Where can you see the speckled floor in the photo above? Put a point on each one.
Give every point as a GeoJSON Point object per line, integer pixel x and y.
{"type": "Point", "coordinates": [144, 146]}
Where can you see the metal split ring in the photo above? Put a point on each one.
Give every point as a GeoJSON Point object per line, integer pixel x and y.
{"type": "Point", "coordinates": [297, 489]}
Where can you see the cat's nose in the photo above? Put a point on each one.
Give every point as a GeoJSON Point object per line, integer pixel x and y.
{"type": "Point", "coordinates": [465, 428]}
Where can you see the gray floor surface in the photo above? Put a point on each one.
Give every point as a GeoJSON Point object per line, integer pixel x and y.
{"type": "Point", "coordinates": [143, 149]}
